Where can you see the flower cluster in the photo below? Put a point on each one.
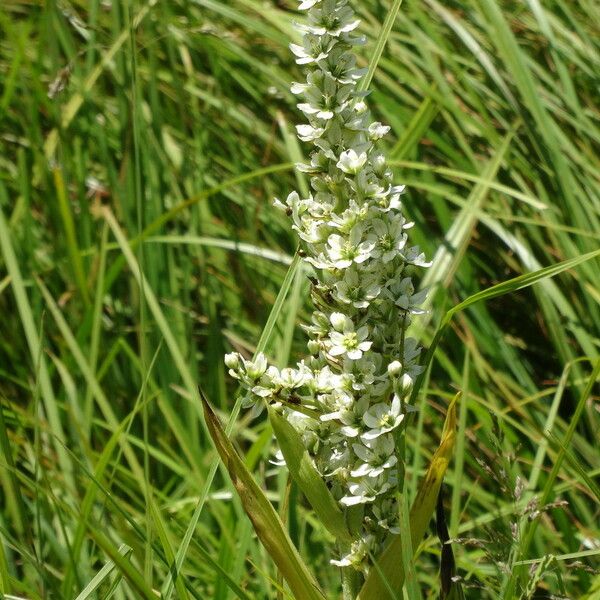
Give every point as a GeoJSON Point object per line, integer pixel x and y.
{"type": "Point", "coordinates": [349, 397]}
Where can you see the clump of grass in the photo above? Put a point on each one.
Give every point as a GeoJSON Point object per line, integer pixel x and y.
{"type": "Point", "coordinates": [175, 116]}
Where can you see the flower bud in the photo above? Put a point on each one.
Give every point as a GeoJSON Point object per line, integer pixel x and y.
{"type": "Point", "coordinates": [313, 346]}
{"type": "Point", "coordinates": [378, 163]}
{"type": "Point", "coordinates": [406, 384]}
{"type": "Point", "coordinates": [232, 361]}
{"type": "Point", "coordinates": [394, 368]}
{"type": "Point", "coordinates": [256, 369]}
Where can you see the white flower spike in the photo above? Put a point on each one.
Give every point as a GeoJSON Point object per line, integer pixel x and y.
{"type": "Point", "coordinates": [356, 382]}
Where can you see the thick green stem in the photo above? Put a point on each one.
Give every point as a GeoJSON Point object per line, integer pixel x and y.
{"type": "Point", "coordinates": [351, 580]}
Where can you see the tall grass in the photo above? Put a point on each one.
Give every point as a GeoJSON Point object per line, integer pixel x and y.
{"type": "Point", "coordinates": [141, 145]}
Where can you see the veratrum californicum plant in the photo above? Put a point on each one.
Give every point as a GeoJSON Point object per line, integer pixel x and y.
{"type": "Point", "coordinates": [348, 398]}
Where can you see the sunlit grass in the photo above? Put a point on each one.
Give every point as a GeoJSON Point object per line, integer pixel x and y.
{"type": "Point", "coordinates": [107, 474]}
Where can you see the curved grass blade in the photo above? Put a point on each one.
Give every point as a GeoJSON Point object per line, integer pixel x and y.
{"type": "Point", "coordinates": [34, 341]}
{"type": "Point", "coordinates": [266, 522]}
{"type": "Point", "coordinates": [506, 287]}
{"type": "Point", "coordinates": [176, 210]}
{"type": "Point", "coordinates": [133, 576]}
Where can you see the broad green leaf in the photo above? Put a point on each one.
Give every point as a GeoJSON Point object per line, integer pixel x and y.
{"type": "Point", "coordinates": [304, 473]}
{"type": "Point", "coordinates": [386, 579]}
{"type": "Point", "coordinates": [266, 522]}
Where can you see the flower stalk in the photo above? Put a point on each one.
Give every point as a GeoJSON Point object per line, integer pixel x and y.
{"type": "Point", "coordinates": [349, 397]}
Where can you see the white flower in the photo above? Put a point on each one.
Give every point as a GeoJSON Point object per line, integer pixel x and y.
{"type": "Point", "coordinates": [343, 251]}
{"type": "Point", "coordinates": [341, 66]}
{"type": "Point", "coordinates": [351, 290]}
{"type": "Point", "coordinates": [357, 554]}
{"type": "Point", "coordinates": [361, 373]}
{"type": "Point", "coordinates": [403, 295]}
{"type": "Point", "coordinates": [323, 381]}
{"type": "Point", "coordinates": [361, 366]}
{"type": "Point", "coordinates": [377, 130]}
{"type": "Point", "coordinates": [340, 22]}
{"type": "Point", "coordinates": [360, 493]}
{"type": "Point", "coordinates": [308, 133]}
{"type": "Point", "coordinates": [313, 49]}
{"type": "Point", "coordinates": [351, 162]}
{"type": "Point", "coordinates": [340, 321]}
{"type": "Point", "coordinates": [291, 379]}
{"type": "Point", "coordinates": [390, 237]}
{"type": "Point", "coordinates": [247, 371]}
{"type": "Point", "coordinates": [337, 461]}
{"type": "Point", "coordinates": [324, 99]}
{"type": "Point", "coordinates": [344, 340]}
{"type": "Point", "coordinates": [391, 200]}
{"type": "Point", "coordinates": [255, 369]}
{"type": "Point", "coordinates": [368, 185]}
{"type": "Point", "coordinates": [376, 455]}
{"type": "Point", "coordinates": [366, 490]}
{"type": "Point", "coordinates": [352, 418]}
{"type": "Point", "coordinates": [414, 256]}
{"type": "Point", "coordinates": [353, 215]}
{"type": "Point", "coordinates": [299, 88]}
{"type": "Point", "coordinates": [382, 418]}
{"type": "Point", "coordinates": [337, 404]}
{"type": "Point", "coordinates": [267, 385]}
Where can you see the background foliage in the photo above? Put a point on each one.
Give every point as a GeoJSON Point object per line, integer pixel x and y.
{"type": "Point", "coordinates": [172, 122]}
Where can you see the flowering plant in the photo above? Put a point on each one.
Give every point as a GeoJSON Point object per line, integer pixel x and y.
{"type": "Point", "coordinates": [349, 397]}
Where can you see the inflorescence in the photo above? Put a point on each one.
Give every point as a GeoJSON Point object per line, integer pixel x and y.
{"type": "Point", "coordinates": [349, 397]}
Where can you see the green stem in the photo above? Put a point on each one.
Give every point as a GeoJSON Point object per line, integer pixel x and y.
{"type": "Point", "coordinates": [351, 580]}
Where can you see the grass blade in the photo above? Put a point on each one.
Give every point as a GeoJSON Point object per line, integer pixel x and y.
{"type": "Point", "coordinates": [265, 520]}
{"type": "Point", "coordinates": [506, 287]}
{"type": "Point", "coordinates": [89, 591]}
{"type": "Point", "coordinates": [379, 46]}
{"type": "Point", "coordinates": [34, 343]}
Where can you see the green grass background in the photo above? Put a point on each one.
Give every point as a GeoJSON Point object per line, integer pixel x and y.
{"type": "Point", "coordinates": [141, 145]}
